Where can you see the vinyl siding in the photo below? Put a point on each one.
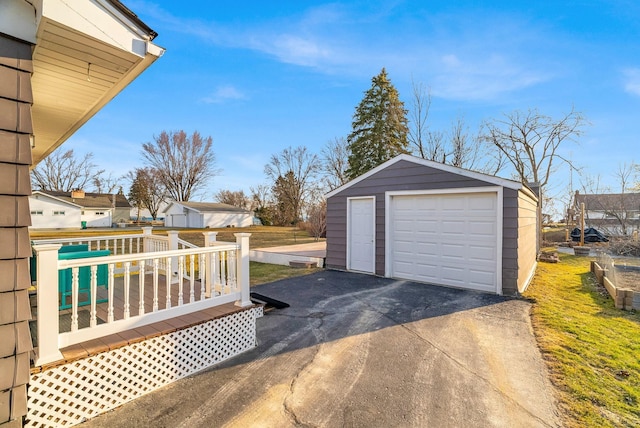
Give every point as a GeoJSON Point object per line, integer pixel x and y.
{"type": "Point", "coordinates": [527, 239]}
{"type": "Point", "coordinates": [519, 246]}
{"type": "Point", "coordinates": [402, 175]}
{"type": "Point", "coordinates": [15, 188]}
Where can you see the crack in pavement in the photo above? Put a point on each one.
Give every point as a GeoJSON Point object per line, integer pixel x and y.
{"type": "Point", "coordinates": [320, 338]}
{"type": "Point", "coordinates": [457, 362]}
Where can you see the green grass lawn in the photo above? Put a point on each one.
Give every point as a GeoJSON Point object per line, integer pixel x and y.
{"type": "Point", "coordinates": [592, 349]}
{"type": "Point", "coordinates": [261, 273]}
{"type": "Point", "coordinates": [261, 236]}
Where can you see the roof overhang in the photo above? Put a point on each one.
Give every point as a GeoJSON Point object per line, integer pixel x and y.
{"type": "Point", "coordinates": [85, 53]}
{"type": "Point", "coordinates": [491, 179]}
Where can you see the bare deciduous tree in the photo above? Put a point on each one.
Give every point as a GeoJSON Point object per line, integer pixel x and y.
{"type": "Point", "coordinates": [419, 130]}
{"type": "Point", "coordinates": [294, 171]}
{"type": "Point", "coordinates": [64, 172]}
{"type": "Point", "coordinates": [459, 150]}
{"type": "Point", "coordinates": [106, 184]}
{"type": "Point", "coordinates": [316, 223]}
{"type": "Point", "coordinates": [184, 163]}
{"type": "Point", "coordinates": [262, 202]}
{"type": "Point", "coordinates": [530, 141]}
{"type": "Point", "coordinates": [236, 198]}
{"type": "Point", "coordinates": [335, 162]}
{"type": "Point", "coordinates": [146, 191]}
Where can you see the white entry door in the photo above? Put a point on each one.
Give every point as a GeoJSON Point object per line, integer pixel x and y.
{"type": "Point", "coordinates": [361, 234]}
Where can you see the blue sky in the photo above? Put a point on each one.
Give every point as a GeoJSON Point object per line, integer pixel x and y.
{"type": "Point", "coordinates": [262, 76]}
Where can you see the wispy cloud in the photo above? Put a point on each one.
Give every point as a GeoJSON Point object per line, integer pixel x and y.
{"type": "Point", "coordinates": [632, 81]}
{"type": "Point", "coordinates": [224, 93]}
{"type": "Point", "coordinates": [481, 78]}
{"type": "Point", "coordinates": [445, 51]}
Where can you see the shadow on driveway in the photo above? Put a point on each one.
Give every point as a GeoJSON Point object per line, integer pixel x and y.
{"type": "Point", "coordinates": [362, 351]}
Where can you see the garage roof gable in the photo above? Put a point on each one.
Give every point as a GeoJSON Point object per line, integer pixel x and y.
{"type": "Point", "coordinates": [503, 182]}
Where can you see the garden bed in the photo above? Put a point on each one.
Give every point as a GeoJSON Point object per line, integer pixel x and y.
{"type": "Point", "coordinates": [620, 281]}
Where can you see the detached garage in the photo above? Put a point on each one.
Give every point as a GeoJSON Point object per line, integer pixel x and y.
{"type": "Point", "coordinates": [424, 221]}
{"type": "Point", "coordinates": [206, 214]}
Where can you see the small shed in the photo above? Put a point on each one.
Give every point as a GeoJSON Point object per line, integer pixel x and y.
{"type": "Point", "coordinates": [206, 214]}
{"type": "Point", "coordinates": [424, 221]}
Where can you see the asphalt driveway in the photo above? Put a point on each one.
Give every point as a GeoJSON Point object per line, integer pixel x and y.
{"type": "Point", "coordinates": [361, 351]}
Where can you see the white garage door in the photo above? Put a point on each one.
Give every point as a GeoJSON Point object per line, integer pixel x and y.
{"type": "Point", "coordinates": [448, 239]}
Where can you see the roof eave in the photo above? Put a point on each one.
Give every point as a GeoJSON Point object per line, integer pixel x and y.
{"type": "Point", "coordinates": [443, 167]}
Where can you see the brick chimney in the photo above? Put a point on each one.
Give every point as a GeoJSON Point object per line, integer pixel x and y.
{"type": "Point", "coordinates": [77, 194]}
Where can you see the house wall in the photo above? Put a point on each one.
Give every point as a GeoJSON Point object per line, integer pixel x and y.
{"type": "Point", "coordinates": [175, 216]}
{"type": "Point", "coordinates": [121, 214]}
{"type": "Point", "coordinates": [47, 220]}
{"type": "Point", "coordinates": [145, 214]}
{"type": "Point", "coordinates": [402, 175]}
{"type": "Point", "coordinates": [194, 219]}
{"type": "Point", "coordinates": [611, 226]}
{"type": "Point", "coordinates": [97, 217]}
{"type": "Point", "coordinates": [15, 157]}
{"type": "Point", "coordinates": [227, 219]}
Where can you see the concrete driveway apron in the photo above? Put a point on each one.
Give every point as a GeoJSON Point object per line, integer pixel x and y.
{"type": "Point", "coordinates": [361, 351]}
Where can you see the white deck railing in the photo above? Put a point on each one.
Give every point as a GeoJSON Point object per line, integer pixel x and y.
{"type": "Point", "coordinates": [199, 278]}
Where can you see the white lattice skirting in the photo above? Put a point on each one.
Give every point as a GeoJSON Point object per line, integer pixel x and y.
{"type": "Point", "coordinates": [69, 394]}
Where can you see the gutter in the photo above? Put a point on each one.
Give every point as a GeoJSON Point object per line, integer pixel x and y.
{"type": "Point", "coordinates": [129, 14]}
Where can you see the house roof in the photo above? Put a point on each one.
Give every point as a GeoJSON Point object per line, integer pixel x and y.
{"type": "Point", "coordinates": [36, 193]}
{"type": "Point", "coordinates": [609, 201]}
{"type": "Point", "coordinates": [202, 207]}
{"type": "Point", "coordinates": [91, 200]}
{"type": "Point", "coordinates": [510, 184]}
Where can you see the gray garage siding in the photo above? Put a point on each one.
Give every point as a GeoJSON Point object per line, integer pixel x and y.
{"type": "Point", "coordinates": [402, 175]}
{"type": "Point", "coordinates": [510, 241]}
{"type": "Point", "coordinates": [528, 246]}
{"type": "Point", "coordinates": [518, 241]}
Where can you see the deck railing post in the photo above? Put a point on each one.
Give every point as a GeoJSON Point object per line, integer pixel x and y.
{"type": "Point", "coordinates": [242, 266]}
{"type": "Point", "coordinates": [209, 237]}
{"type": "Point", "coordinates": [47, 298]}
{"type": "Point", "coordinates": [146, 243]}
{"type": "Point", "coordinates": [173, 245]}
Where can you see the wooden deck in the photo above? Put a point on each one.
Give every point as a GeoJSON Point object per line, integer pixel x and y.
{"type": "Point", "coordinates": [147, 296]}
{"type": "Point", "coordinates": [113, 341]}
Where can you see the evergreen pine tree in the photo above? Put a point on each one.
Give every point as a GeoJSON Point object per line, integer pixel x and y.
{"type": "Point", "coordinates": [379, 127]}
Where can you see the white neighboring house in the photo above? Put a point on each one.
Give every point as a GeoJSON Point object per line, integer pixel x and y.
{"type": "Point", "coordinates": [51, 212]}
{"type": "Point", "coordinates": [206, 214]}
{"type": "Point", "coordinates": [70, 209]}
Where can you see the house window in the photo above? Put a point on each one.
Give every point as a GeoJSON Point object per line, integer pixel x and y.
{"type": "Point", "coordinates": [58, 213]}
{"type": "Point", "coordinates": [36, 212]}
{"type": "Point", "coordinates": [99, 212]}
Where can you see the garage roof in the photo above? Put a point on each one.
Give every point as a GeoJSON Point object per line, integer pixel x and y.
{"type": "Point", "coordinates": [510, 184]}
{"type": "Point", "coordinates": [202, 207]}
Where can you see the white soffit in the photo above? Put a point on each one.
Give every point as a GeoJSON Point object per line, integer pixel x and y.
{"type": "Point", "coordinates": [86, 53]}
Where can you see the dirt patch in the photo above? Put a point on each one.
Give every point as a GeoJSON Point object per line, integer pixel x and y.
{"type": "Point", "coordinates": [628, 276]}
